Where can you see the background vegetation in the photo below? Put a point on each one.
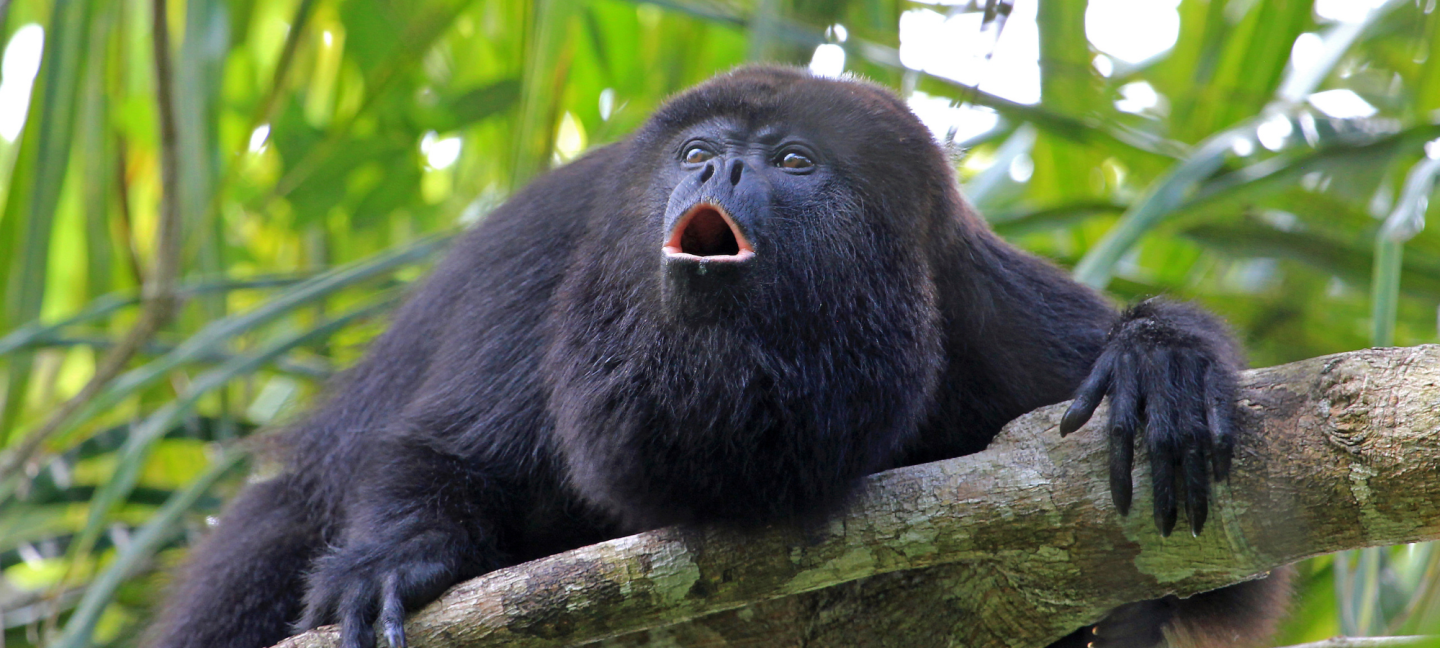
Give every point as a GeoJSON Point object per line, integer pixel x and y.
{"type": "Point", "coordinates": [191, 242]}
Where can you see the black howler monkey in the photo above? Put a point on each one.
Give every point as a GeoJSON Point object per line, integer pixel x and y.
{"type": "Point", "coordinates": [770, 290]}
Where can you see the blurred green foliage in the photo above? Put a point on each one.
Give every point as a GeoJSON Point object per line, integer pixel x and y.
{"type": "Point", "coordinates": [329, 147]}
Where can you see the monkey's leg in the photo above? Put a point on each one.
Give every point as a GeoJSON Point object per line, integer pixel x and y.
{"type": "Point", "coordinates": [242, 585]}
{"type": "Point", "coordinates": [1237, 616]}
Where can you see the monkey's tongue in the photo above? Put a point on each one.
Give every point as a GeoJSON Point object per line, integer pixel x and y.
{"type": "Point", "coordinates": [706, 232]}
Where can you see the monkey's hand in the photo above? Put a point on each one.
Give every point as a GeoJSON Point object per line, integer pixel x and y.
{"type": "Point", "coordinates": [371, 580]}
{"type": "Point", "coordinates": [1169, 370]}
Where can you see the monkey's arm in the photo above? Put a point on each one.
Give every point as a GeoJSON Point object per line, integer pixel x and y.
{"type": "Point", "coordinates": [1169, 371]}
{"type": "Point", "coordinates": [423, 520]}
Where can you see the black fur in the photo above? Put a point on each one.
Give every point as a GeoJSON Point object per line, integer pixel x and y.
{"type": "Point", "coordinates": [561, 380]}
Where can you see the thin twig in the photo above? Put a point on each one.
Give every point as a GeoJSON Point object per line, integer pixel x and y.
{"type": "Point", "coordinates": [159, 292]}
{"type": "Point", "coordinates": [127, 228]}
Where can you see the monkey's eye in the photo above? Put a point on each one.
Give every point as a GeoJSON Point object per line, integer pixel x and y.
{"type": "Point", "coordinates": [696, 155]}
{"type": "Point", "coordinates": [795, 161]}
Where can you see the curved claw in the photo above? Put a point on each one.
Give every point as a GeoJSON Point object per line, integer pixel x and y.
{"type": "Point", "coordinates": [1080, 411]}
{"type": "Point", "coordinates": [1088, 396]}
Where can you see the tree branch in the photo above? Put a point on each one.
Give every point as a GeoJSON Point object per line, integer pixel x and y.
{"type": "Point", "coordinates": [1017, 545]}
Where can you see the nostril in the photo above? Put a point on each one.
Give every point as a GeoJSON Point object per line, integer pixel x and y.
{"type": "Point", "coordinates": [736, 168]}
{"type": "Point", "coordinates": [709, 171]}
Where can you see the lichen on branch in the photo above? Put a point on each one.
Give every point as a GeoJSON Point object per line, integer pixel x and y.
{"type": "Point", "coordinates": [1014, 546]}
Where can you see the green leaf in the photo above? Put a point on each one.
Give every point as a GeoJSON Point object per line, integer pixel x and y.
{"type": "Point", "coordinates": [142, 548]}
{"type": "Point", "coordinates": [1246, 69]}
{"type": "Point", "coordinates": [31, 203]}
{"type": "Point", "coordinates": [144, 436]}
{"type": "Point", "coordinates": [218, 332]}
{"type": "Point", "coordinates": [1403, 224]}
{"type": "Point", "coordinates": [1162, 199]}
{"type": "Point", "coordinates": [546, 68]}
{"type": "Point", "coordinates": [106, 305]}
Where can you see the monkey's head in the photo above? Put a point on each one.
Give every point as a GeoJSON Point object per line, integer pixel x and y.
{"type": "Point", "coordinates": [768, 176]}
{"type": "Point", "coordinates": [751, 325]}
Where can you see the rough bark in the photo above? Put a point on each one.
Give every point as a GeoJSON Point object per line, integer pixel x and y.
{"type": "Point", "coordinates": [1014, 546]}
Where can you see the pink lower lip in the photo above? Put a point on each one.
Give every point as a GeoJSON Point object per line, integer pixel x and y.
{"type": "Point", "coordinates": [673, 246]}
{"type": "Point", "coordinates": [675, 253]}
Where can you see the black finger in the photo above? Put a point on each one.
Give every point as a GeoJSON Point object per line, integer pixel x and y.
{"type": "Point", "coordinates": [1088, 396]}
{"type": "Point", "coordinates": [1124, 423]}
{"type": "Point", "coordinates": [1197, 445]}
{"type": "Point", "coordinates": [1197, 488]}
{"type": "Point", "coordinates": [392, 613]}
{"type": "Point", "coordinates": [1220, 418]}
{"type": "Point", "coordinates": [357, 618]}
{"type": "Point", "coordinates": [1162, 471]}
{"type": "Point", "coordinates": [1162, 436]}
{"type": "Point", "coordinates": [1195, 469]}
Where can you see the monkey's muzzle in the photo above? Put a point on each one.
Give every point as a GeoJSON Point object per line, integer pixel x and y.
{"type": "Point", "coordinates": [707, 233]}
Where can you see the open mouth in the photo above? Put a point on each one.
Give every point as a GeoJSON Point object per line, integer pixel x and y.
{"type": "Point", "coordinates": [707, 233]}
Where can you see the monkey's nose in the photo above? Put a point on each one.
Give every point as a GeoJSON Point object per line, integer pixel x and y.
{"type": "Point", "coordinates": [735, 168]}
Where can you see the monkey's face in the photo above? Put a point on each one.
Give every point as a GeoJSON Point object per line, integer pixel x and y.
{"type": "Point", "coordinates": [736, 219]}
{"type": "Point", "coordinates": [772, 193]}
